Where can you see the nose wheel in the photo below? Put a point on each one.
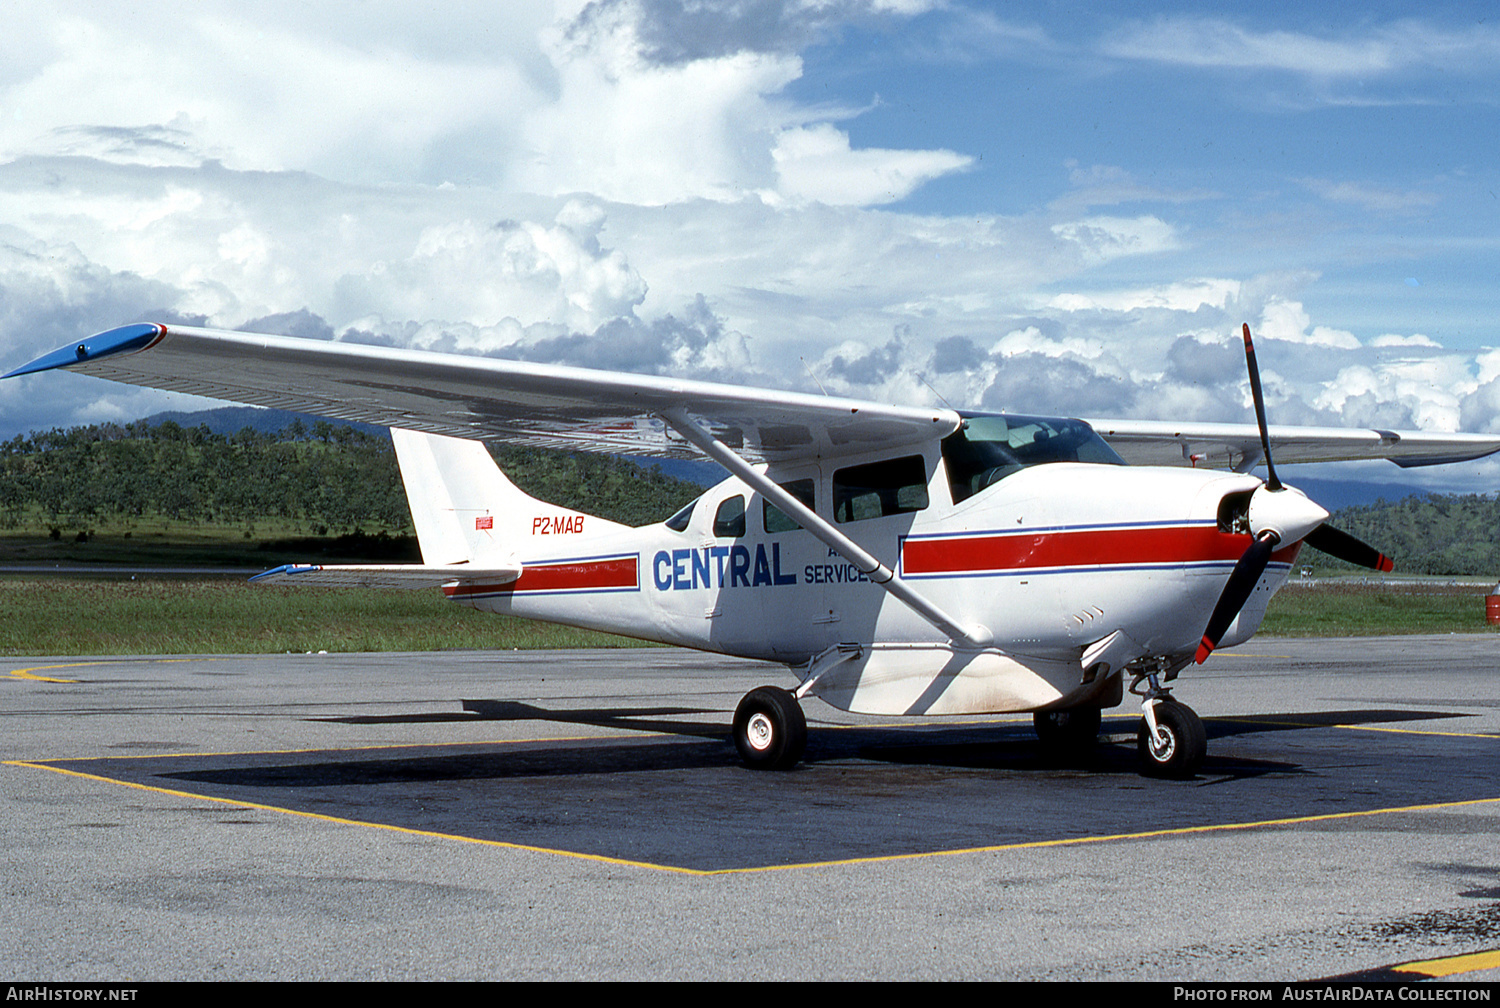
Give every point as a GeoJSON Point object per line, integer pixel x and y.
{"type": "Point", "coordinates": [770, 730]}
{"type": "Point", "coordinates": [1177, 745]}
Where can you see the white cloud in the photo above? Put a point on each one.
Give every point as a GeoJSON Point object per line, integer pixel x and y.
{"type": "Point", "coordinates": [1289, 321]}
{"type": "Point", "coordinates": [1184, 295]}
{"type": "Point", "coordinates": [1360, 50]}
{"type": "Point", "coordinates": [816, 163]}
{"type": "Point", "coordinates": [1370, 197]}
{"type": "Point", "coordinates": [522, 270]}
{"type": "Point", "coordinates": [1397, 340]}
{"type": "Point", "coordinates": [628, 184]}
{"type": "Point", "coordinates": [1101, 239]}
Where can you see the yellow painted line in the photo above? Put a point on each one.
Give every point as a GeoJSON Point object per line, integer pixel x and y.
{"type": "Point", "coordinates": [355, 822]}
{"type": "Point", "coordinates": [26, 673]}
{"type": "Point", "coordinates": [1148, 834]}
{"type": "Point", "coordinates": [876, 859]}
{"type": "Point", "coordinates": [1451, 965]}
{"type": "Point", "coordinates": [310, 749]}
{"type": "Point", "coordinates": [1413, 731]}
{"type": "Point", "coordinates": [1356, 727]}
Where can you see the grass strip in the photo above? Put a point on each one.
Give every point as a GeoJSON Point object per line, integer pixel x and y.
{"type": "Point", "coordinates": [66, 615]}
{"type": "Point", "coordinates": [60, 615]}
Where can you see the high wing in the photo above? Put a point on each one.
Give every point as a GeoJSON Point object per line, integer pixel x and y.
{"type": "Point", "coordinates": [1238, 446]}
{"type": "Point", "coordinates": [581, 409]}
{"type": "Point", "coordinates": [483, 398]}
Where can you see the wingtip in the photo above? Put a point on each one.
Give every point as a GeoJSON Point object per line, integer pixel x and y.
{"type": "Point", "coordinates": [124, 339]}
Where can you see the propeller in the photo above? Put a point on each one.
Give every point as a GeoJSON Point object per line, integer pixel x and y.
{"type": "Point", "coordinates": [1277, 514]}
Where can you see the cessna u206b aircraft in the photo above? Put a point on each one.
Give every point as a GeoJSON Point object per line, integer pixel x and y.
{"type": "Point", "coordinates": [899, 560]}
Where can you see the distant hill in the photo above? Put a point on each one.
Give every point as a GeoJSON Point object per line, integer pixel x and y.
{"type": "Point", "coordinates": [228, 420]}
{"type": "Point", "coordinates": [1430, 533]}
{"type": "Point", "coordinates": [321, 477]}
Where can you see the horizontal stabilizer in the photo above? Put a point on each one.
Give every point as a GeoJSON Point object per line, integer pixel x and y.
{"type": "Point", "coordinates": [385, 575]}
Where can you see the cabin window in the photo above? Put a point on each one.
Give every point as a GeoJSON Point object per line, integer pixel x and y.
{"type": "Point", "coordinates": [986, 449]}
{"type": "Point", "coordinates": [729, 520]}
{"type": "Point", "coordinates": [775, 520]}
{"type": "Point", "coordinates": [679, 521]}
{"type": "Point", "coordinates": [895, 486]}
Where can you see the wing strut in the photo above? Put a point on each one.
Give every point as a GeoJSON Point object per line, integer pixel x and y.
{"type": "Point", "coordinates": [974, 636]}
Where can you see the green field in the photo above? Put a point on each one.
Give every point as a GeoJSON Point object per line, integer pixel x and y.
{"type": "Point", "coordinates": [1350, 609]}
{"type": "Point", "coordinates": [59, 615]}
{"type": "Point", "coordinates": [62, 615]}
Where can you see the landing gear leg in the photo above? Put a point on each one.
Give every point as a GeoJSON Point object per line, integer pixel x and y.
{"type": "Point", "coordinates": [1171, 741]}
{"type": "Point", "coordinates": [770, 730]}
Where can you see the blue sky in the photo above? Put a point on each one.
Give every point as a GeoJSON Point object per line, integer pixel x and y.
{"type": "Point", "coordinates": [1029, 206]}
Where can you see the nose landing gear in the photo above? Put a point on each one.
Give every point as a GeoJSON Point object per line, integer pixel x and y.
{"type": "Point", "coordinates": [1170, 741]}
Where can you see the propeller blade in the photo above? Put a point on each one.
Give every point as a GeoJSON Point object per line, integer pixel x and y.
{"type": "Point", "coordinates": [1340, 544]}
{"type": "Point", "coordinates": [1260, 408]}
{"type": "Point", "coordinates": [1236, 593]}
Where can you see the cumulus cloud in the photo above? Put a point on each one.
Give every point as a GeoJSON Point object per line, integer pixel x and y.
{"type": "Point", "coordinates": [514, 269]}
{"type": "Point", "coordinates": [671, 32]}
{"type": "Point", "coordinates": [1101, 239]}
{"type": "Point", "coordinates": [628, 184]}
{"type": "Point", "coordinates": [816, 163]}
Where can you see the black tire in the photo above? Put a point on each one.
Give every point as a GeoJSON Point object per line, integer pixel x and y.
{"type": "Point", "coordinates": [1185, 746]}
{"type": "Point", "coordinates": [770, 730]}
{"type": "Point", "coordinates": [1069, 734]}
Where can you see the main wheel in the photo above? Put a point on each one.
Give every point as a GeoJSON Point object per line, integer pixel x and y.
{"type": "Point", "coordinates": [1067, 734]}
{"type": "Point", "coordinates": [770, 730]}
{"type": "Point", "coordinates": [1180, 752]}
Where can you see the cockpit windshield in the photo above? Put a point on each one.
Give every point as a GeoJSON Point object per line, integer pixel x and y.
{"type": "Point", "coordinates": [989, 447]}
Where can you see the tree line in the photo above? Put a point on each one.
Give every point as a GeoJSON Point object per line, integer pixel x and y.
{"type": "Point", "coordinates": [327, 478]}
{"type": "Point", "coordinates": [1457, 534]}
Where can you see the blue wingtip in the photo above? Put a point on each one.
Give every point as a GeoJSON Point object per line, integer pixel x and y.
{"type": "Point", "coordinates": [114, 341]}
{"type": "Point", "coordinates": [291, 568]}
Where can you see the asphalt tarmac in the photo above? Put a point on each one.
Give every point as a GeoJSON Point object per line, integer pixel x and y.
{"type": "Point", "coordinates": [569, 815]}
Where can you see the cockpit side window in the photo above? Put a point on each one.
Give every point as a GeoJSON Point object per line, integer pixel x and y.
{"type": "Point", "coordinates": [679, 521]}
{"type": "Point", "coordinates": [877, 489]}
{"type": "Point", "coordinates": [729, 520]}
{"type": "Point", "coordinates": [986, 449]}
{"type": "Point", "coordinates": [775, 520]}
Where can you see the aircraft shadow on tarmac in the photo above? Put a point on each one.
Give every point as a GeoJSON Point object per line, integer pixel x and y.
{"type": "Point", "coordinates": [680, 797]}
{"type": "Point", "coordinates": [998, 746]}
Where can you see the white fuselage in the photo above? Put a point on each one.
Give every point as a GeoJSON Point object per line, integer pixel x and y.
{"type": "Point", "coordinates": [1051, 559]}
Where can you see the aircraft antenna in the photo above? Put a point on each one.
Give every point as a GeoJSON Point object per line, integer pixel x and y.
{"type": "Point", "coordinates": [813, 376]}
{"type": "Point", "coordinates": [923, 379]}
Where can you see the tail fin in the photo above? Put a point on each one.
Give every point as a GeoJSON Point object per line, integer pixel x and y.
{"type": "Point", "coordinates": [466, 511]}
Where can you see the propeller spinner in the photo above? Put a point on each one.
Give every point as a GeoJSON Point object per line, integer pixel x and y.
{"type": "Point", "coordinates": [1278, 515]}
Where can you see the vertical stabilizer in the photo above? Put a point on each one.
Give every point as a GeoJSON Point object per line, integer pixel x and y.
{"type": "Point", "coordinates": [466, 511]}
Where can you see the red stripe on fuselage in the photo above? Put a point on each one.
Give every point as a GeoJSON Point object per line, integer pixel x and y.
{"type": "Point", "coordinates": [1088, 548]}
{"type": "Point", "coordinates": [580, 575]}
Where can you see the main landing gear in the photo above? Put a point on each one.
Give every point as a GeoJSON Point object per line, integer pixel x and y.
{"type": "Point", "coordinates": [769, 729]}
{"type": "Point", "coordinates": [1170, 741]}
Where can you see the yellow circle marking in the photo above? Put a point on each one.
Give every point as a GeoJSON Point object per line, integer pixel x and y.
{"type": "Point", "coordinates": [29, 673]}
